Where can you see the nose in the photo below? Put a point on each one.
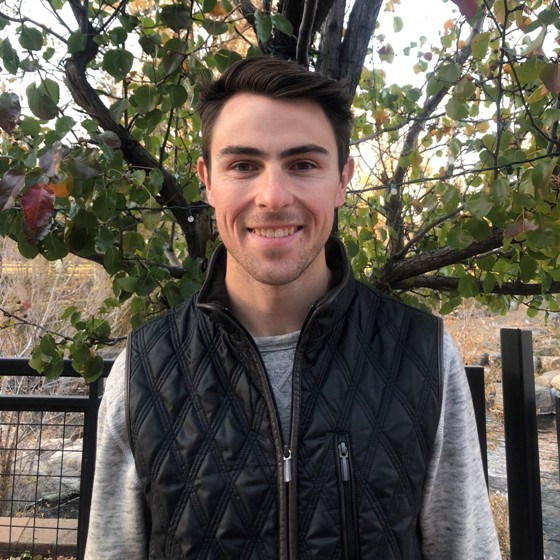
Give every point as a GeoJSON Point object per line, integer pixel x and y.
{"type": "Point", "coordinates": [273, 190]}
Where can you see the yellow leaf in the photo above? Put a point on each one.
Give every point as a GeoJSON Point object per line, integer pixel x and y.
{"type": "Point", "coordinates": [63, 188]}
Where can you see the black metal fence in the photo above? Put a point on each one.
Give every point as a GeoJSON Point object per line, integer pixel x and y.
{"type": "Point", "coordinates": [47, 455]}
{"type": "Point", "coordinates": [36, 428]}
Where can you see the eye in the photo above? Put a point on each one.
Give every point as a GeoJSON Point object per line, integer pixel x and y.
{"type": "Point", "coordinates": [304, 165]}
{"type": "Point", "coordinates": [243, 166]}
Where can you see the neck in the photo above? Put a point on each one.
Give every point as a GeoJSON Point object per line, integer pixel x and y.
{"type": "Point", "coordinates": [267, 310]}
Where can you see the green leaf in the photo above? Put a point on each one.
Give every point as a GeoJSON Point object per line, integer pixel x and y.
{"type": "Point", "coordinates": [176, 17]}
{"type": "Point", "coordinates": [118, 63]}
{"type": "Point", "coordinates": [528, 267]}
{"type": "Point", "coordinates": [480, 45]}
{"type": "Point", "coordinates": [479, 205]}
{"type": "Point", "coordinates": [76, 42]}
{"type": "Point", "coordinates": [118, 36]}
{"type": "Point", "coordinates": [468, 286]}
{"type": "Point", "coordinates": [500, 191]}
{"type": "Point", "coordinates": [31, 39]}
{"type": "Point", "coordinates": [208, 6]}
{"type": "Point", "coordinates": [459, 237]}
{"type": "Point", "coordinates": [397, 24]}
{"type": "Point", "coordinates": [464, 90]}
{"type": "Point", "coordinates": [64, 125]}
{"type": "Point", "coordinates": [214, 27]}
{"type": "Point", "coordinates": [457, 110]}
{"type": "Point", "coordinates": [43, 99]}
{"type": "Point", "coordinates": [53, 247]}
{"type": "Point", "coordinates": [178, 95]}
{"type": "Point", "coordinates": [449, 73]}
{"type": "Point", "coordinates": [282, 23]}
{"type": "Point", "coordinates": [10, 57]}
{"type": "Point", "coordinates": [263, 25]}
{"type": "Point", "coordinates": [529, 71]}
{"type": "Point", "coordinates": [225, 58]}
{"type": "Point", "coordinates": [145, 99]}
{"type": "Point", "coordinates": [128, 284]}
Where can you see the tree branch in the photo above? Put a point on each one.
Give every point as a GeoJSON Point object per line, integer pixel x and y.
{"type": "Point", "coordinates": [397, 271]}
{"type": "Point", "coordinates": [448, 284]}
{"type": "Point", "coordinates": [135, 154]}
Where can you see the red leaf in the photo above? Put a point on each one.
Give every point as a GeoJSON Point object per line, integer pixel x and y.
{"type": "Point", "coordinates": [467, 7]}
{"type": "Point", "coordinates": [10, 110]}
{"type": "Point", "coordinates": [38, 206]}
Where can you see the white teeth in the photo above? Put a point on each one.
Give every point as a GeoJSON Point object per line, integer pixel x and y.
{"type": "Point", "coordinates": [280, 232]}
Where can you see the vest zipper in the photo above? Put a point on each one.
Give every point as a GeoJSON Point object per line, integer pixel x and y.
{"type": "Point", "coordinates": [287, 465]}
{"type": "Point", "coordinates": [347, 502]}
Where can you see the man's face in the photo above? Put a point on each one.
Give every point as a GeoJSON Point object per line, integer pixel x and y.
{"type": "Point", "coordinates": [274, 185]}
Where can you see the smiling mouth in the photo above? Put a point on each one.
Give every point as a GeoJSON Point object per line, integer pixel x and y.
{"type": "Point", "coordinates": [275, 232]}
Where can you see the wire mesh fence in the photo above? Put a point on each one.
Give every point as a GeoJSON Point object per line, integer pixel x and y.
{"type": "Point", "coordinates": [47, 455]}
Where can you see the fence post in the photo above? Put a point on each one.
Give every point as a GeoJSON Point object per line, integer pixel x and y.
{"type": "Point", "coordinates": [475, 377]}
{"type": "Point", "coordinates": [522, 449]}
{"type": "Point", "coordinates": [557, 406]}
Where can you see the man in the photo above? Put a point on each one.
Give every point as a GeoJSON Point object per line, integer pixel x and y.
{"type": "Point", "coordinates": [286, 411]}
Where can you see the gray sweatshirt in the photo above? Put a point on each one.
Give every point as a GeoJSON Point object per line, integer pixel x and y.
{"type": "Point", "coordinates": [456, 521]}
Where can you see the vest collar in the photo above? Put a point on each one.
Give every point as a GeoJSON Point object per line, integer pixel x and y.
{"type": "Point", "coordinates": [324, 313]}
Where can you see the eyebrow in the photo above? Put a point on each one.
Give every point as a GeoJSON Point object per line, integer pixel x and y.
{"type": "Point", "coordinates": [287, 153]}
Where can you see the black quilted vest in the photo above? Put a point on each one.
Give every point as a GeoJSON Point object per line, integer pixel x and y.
{"type": "Point", "coordinates": [219, 482]}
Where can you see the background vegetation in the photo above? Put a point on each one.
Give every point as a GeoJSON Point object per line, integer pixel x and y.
{"type": "Point", "coordinates": [457, 195]}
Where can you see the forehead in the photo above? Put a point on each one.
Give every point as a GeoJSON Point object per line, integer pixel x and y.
{"type": "Point", "coordinates": [257, 118]}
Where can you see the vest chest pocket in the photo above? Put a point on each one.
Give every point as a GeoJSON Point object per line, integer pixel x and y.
{"type": "Point", "coordinates": [348, 514]}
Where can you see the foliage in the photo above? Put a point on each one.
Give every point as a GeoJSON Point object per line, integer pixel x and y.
{"type": "Point", "coordinates": [99, 148]}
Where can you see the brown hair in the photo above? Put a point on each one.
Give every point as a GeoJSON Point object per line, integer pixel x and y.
{"type": "Point", "coordinates": [277, 79]}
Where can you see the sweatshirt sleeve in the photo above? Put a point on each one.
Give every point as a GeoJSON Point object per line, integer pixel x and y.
{"type": "Point", "coordinates": [116, 524]}
{"type": "Point", "coordinates": [456, 520]}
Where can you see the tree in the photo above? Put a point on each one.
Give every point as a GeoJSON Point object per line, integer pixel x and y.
{"type": "Point", "coordinates": [459, 202]}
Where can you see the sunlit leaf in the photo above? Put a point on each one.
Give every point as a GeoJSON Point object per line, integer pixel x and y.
{"type": "Point", "coordinates": [480, 44]}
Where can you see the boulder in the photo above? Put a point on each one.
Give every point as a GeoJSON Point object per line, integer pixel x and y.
{"type": "Point", "coordinates": [543, 400]}
{"type": "Point", "coordinates": [545, 380]}
{"type": "Point", "coordinates": [555, 383]}
{"type": "Point", "coordinates": [550, 362]}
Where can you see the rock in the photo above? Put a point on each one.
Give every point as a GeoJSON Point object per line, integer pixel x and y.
{"type": "Point", "coordinates": [545, 380]}
{"type": "Point", "coordinates": [543, 400]}
{"type": "Point", "coordinates": [550, 362]}
{"type": "Point", "coordinates": [555, 382]}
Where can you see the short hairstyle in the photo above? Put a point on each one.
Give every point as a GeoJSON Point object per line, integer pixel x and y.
{"type": "Point", "coordinates": [277, 79]}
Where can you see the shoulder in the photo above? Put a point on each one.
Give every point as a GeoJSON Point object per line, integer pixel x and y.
{"type": "Point", "coordinates": [390, 308]}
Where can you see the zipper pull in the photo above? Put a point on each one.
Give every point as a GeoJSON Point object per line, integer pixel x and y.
{"type": "Point", "coordinates": [287, 465]}
{"type": "Point", "coordinates": [344, 462]}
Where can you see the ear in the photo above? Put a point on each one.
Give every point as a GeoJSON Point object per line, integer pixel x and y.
{"type": "Point", "coordinates": [204, 175]}
{"type": "Point", "coordinates": [345, 178]}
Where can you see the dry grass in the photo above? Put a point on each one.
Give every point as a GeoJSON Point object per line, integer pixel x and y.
{"type": "Point", "coordinates": [36, 293]}
{"type": "Point", "coordinates": [499, 505]}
